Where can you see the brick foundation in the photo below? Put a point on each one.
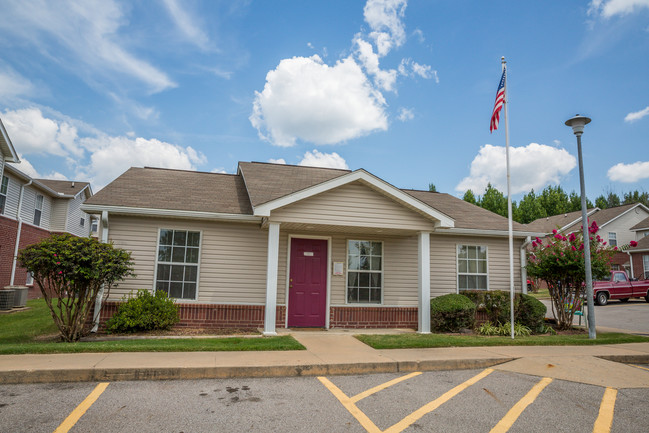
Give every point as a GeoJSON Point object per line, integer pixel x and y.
{"type": "Point", "coordinates": [373, 317]}
{"type": "Point", "coordinates": [206, 316]}
{"type": "Point", "coordinates": [29, 235]}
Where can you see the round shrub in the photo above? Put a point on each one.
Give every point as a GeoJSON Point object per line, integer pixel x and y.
{"type": "Point", "coordinates": [144, 312]}
{"type": "Point", "coordinates": [452, 313]}
{"type": "Point", "coordinates": [531, 313]}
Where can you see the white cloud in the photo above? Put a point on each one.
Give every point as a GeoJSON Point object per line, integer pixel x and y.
{"type": "Point", "coordinates": [33, 133]}
{"type": "Point", "coordinates": [83, 34]}
{"type": "Point", "coordinates": [188, 24]}
{"type": "Point", "coordinates": [405, 114]}
{"type": "Point", "coordinates": [327, 160]}
{"type": "Point", "coordinates": [531, 166]}
{"type": "Point", "coordinates": [277, 161]}
{"type": "Point", "coordinates": [384, 18]}
{"type": "Point", "coordinates": [384, 79]}
{"type": "Point", "coordinates": [410, 68]}
{"type": "Point", "coordinates": [220, 170]}
{"type": "Point", "coordinates": [13, 84]}
{"type": "Point", "coordinates": [609, 8]}
{"type": "Point", "coordinates": [111, 156]}
{"type": "Point", "coordinates": [629, 173]}
{"type": "Point", "coordinates": [308, 100]}
{"type": "Point", "coordinates": [637, 115]}
{"type": "Point", "coordinates": [26, 167]}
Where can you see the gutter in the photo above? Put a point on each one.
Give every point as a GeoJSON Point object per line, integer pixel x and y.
{"type": "Point", "coordinates": [100, 296]}
{"type": "Point", "coordinates": [18, 233]}
{"type": "Point", "coordinates": [630, 262]}
{"type": "Point", "coordinates": [215, 216]}
{"type": "Point", "coordinates": [503, 233]}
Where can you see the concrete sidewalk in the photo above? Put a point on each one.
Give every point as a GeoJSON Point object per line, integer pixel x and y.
{"type": "Point", "coordinates": [334, 353]}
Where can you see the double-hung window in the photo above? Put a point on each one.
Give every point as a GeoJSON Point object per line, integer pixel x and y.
{"type": "Point", "coordinates": [645, 265]}
{"type": "Point", "coordinates": [177, 264]}
{"type": "Point", "coordinates": [38, 209]}
{"type": "Point", "coordinates": [3, 194]}
{"type": "Point", "coordinates": [364, 272]}
{"type": "Point", "coordinates": [472, 270]}
{"type": "Point", "coordinates": [612, 239]}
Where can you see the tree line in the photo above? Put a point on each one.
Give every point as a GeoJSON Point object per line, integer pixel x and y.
{"type": "Point", "coordinates": [553, 200]}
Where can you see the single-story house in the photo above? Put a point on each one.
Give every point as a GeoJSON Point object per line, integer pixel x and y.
{"type": "Point", "coordinates": [289, 246]}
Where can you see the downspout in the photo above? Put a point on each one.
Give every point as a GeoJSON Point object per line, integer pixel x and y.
{"type": "Point", "coordinates": [100, 295]}
{"type": "Point", "coordinates": [20, 227]}
{"type": "Point", "coordinates": [631, 263]}
{"type": "Point", "coordinates": [528, 240]}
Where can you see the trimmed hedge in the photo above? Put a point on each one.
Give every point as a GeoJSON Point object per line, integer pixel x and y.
{"type": "Point", "coordinates": [452, 313]}
{"type": "Point", "coordinates": [528, 311]}
{"type": "Point", "coordinates": [144, 312]}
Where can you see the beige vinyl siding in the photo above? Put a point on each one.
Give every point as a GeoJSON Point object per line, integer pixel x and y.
{"type": "Point", "coordinates": [13, 193]}
{"type": "Point", "coordinates": [29, 202]}
{"type": "Point", "coordinates": [443, 262]}
{"type": "Point", "coordinates": [621, 226]}
{"type": "Point", "coordinates": [75, 214]}
{"type": "Point", "coordinates": [352, 205]}
{"type": "Point", "coordinates": [59, 214]}
{"type": "Point", "coordinates": [232, 257]}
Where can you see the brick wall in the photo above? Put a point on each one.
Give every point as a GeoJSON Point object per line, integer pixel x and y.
{"type": "Point", "coordinates": [207, 316]}
{"type": "Point", "coordinates": [638, 269]}
{"type": "Point", "coordinates": [29, 235]}
{"type": "Point", "coordinates": [373, 317]}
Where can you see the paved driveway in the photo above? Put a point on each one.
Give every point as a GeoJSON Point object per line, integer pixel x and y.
{"type": "Point", "coordinates": [632, 316]}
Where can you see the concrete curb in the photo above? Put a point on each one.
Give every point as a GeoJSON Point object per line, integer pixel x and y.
{"type": "Point", "coordinates": [192, 373]}
{"type": "Point", "coordinates": [627, 359]}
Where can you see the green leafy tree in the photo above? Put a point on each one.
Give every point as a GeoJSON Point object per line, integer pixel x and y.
{"type": "Point", "coordinates": [554, 200]}
{"type": "Point", "coordinates": [636, 197]}
{"type": "Point", "coordinates": [575, 202]}
{"type": "Point", "coordinates": [432, 188]}
{"type": "Point", "coordinates": [70, 272]}
{"type": "Point", "coordinates": [529, 209]}
{"type": "Point", "coordinates": [494, 201]}
{"type": "Point", "coordinates": [560, 263]}
{"type": "Point", "coordinates": [470, 197]}
{"type": "Point", "coordinates": [600, 202]}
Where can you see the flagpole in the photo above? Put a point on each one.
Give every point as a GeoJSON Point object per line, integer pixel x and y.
{"type": "Point", "coordinates": [509, 208]}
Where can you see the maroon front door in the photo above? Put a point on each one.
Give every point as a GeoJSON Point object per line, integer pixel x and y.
{"type": "Point", "coordinates": [307, 284]}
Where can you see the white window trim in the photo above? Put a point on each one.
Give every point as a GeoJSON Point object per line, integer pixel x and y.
{"type": "Point", "coordinates": [29, 279]}
{"type": "Point", "coordinates": [457, 266]}
{"type": "Point", "coordinates": [36, 208]}
{"type": "Point", "coordinates": [5, 194]}
{"type": "Point", "coordinates": [364, 304]}
{"type": "Point", "coordinates": [614, 238]}
{"type": "Point", "coordinates": [645, 264]}
{"type": "Point", "coordinates": [288, 274]}
{"type": "Point", "coordinates": [198, 265]}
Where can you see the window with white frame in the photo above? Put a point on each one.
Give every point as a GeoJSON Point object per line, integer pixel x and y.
{"type": "Point", "coordinates": [472, 270]}
{"type": "Point", "coordinates": [364, 272]}
{"type": "Point", "coordinates": [612, 239]}
{"type": "Point", "coordinates": [177, 263]}
{"type": "Point", "coordinates": [82, 222]}
{"type": "Point", "coordinates": [94, 226]}
{"type": "Point", "coordinates": [38, 209]}
{"type": "Point", "coordinates": [3, 193]}
{"type": "Point", "coordinates": [29, 279]}
{"type": "Point", "coordinates": [645, 265]}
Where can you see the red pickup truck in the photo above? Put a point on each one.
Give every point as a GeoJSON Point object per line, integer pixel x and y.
{"type": "Point", "coordinates": [619, 286]}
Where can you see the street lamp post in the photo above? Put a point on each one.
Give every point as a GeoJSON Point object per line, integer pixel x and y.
{"type": "Point", "coordinates": [577, 124]}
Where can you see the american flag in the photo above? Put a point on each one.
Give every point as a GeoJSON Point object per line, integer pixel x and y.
{"type": "Point", "coordinates": [500, 100]}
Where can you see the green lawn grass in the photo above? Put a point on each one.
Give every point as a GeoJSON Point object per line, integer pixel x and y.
{"type": "Point", "coordinates": [417, 341]}
{"type": "Point", "coordinates": [541, 294]}
{"type": "Point", "coordinates": [19, 332]}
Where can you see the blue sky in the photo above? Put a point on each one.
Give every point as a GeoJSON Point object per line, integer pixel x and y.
{"type": "Point", "coordinates": [403, 89]}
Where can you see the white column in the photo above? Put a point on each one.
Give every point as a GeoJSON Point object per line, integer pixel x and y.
{"type": "Point", "coordinates": [523, 265]}
{"type": "Point", "coordinates": [271, 279]}
{"type": "Point", "coordinates": [424, 282]}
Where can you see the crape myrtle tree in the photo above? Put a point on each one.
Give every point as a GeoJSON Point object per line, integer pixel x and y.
{"type": "Point", "coordinates": [560, 262]}
{"type": "Point", "coordinates": [70, 271]}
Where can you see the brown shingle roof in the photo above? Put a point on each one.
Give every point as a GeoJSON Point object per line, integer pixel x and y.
{"type": "Point", "coordinates": [546, 225]}
{"type": "Point", "coordinates": [465, 214]}
{"type": "Point", "coordinates": [604, 216]}
{"type": "Point", "coordinates": [266, 182]}
{"type": "Point", "coordinates": [644, 224]}
{"type": "Point", "coordinates": [64, 186]}
{"type": "Point", "coordinates": [157, 188]}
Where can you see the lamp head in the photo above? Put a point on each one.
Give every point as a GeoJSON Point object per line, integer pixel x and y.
{"type": "Point", "coordinates": [577, 124]}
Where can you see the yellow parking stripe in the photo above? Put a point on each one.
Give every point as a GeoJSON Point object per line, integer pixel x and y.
{"type": "Point", "coordinates": [639, 366]}
{"type": "Point", "coordinates": [510, 417]}
{"type": "Point", "coordinates": [416, 415]}
{"type": "Point", "coordinates": [367, 423]}
{"type": "Point", "coordinates": [606, 408]}
{"type": "Point", "coordinates": [72, 419]}
{"type": "Point", "coordinates": [383, 386]}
